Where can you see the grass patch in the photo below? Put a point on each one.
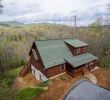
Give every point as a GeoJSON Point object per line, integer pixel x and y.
{"type": "Point", "coordinates": [27, 94]}
{"type": "Point", "coordinates": [6, 81]}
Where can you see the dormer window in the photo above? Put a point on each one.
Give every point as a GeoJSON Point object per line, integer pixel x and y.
{"type": "Point", "coordinates": [84, 49]}
{"type": "Point", "coordinates": [35, 54]}
{"type": "Point", "coordinates": [78, 50]}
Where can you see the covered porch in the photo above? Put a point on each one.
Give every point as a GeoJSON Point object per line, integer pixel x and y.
{"type": "Point", "coordinates": [72, 71]}
{"type": "Point", "coordinates": [81, 64]}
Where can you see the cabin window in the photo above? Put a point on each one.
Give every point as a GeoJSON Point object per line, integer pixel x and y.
{"type": "Point", "coordinates": [78, 50]}
{"type": "Point", "coordinates": [35, 54]}
{"type": "Point", "coordinates": [33, 71]}
{"type": "Point", "coordinates": [62, 67]}
{"type": "Point", "coordinates": [40, 76]}
{"type": "Point", "coordinates": [84, 49]}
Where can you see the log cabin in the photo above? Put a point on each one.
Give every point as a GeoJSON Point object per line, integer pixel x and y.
{"type": "Point", "coordinates": [51, 58]}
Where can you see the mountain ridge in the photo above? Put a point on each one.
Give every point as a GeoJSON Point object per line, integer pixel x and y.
{"type": "Point", "coordinates": [10, 23]}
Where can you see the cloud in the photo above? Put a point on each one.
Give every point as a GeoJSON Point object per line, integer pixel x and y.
{"type": "Point", "coordinates": [20, 7]}
{"type": "Point", "coordinates": [29, 11]}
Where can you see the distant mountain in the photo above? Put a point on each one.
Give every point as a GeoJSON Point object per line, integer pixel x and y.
{"type": "Point", "coordinates": [10, 23]}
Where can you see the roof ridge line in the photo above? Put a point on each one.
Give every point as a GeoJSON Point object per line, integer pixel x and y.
{"type": "Point", "coordinates": [53, 39]}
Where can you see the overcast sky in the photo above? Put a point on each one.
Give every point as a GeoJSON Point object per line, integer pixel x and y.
{"type": "Point", "coordinates": [29, 11]}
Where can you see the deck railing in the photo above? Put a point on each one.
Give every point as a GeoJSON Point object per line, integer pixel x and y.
{"type": "Point", "coordinates": [25, 69]}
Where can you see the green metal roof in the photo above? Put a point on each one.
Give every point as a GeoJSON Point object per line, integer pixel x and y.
{"type": "Point", "coordinates": [75, 42]}
{"type": "Point", "coordinates": [53, 52]}
{"type": "Point", "coordinates": [81, 59]}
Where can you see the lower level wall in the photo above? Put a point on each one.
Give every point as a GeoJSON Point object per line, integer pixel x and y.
{"type": "Point", "coordinates": [56, 70]}
{"type": "Point", "coordinates": [50, 73]}
{"type": "Point", "coordinates": [38, 75]}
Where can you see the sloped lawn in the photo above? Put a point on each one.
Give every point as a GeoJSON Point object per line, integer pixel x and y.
{"type": "Point", "coordinates": [27, 94]}
{"type": "Point", "coordinates": [6, 80]}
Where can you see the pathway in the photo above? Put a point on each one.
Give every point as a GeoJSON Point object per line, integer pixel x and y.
{"type": "Point", "coordinates": [91, 77]}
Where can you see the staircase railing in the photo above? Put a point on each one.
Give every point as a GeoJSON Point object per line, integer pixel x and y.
{"type": "Point", "coordinates": [25, 69]}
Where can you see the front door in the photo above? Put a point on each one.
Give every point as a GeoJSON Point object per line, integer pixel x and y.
{"type": "Point", "coordinates": [69, 69]}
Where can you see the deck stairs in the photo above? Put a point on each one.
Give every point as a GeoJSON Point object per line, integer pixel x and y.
{"type": "Point", "coordinates": [25, 70]}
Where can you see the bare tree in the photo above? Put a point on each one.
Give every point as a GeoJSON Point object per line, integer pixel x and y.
{"type": "Point", "coordinates": [1, 67]}
{"type": "Point", "coordinates": [96, 26]}
{"type": "Point", "coordinates": [107, 16]}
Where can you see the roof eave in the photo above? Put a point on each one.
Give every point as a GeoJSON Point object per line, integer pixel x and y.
{"type": "Point", "coordinates": [77, 46]}
{"type": "Point", "coordinates": [81, 46]}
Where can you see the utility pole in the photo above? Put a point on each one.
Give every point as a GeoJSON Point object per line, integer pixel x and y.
{"type": "Point", "coordinates": [75, 20]}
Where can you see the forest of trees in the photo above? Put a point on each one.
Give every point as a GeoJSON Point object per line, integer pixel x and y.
{"type": "Point", "coordinates": [15, 42]}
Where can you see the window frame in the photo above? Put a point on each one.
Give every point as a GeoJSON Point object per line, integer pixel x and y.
{"type": "Point", "coordinates": [78, 50]}
{"type": "Point", "coordinates": [33, 71]}
{"type": "Point", "coordinates": [84, 49]}
{"type": "Point", "coordinates": [35, 54]}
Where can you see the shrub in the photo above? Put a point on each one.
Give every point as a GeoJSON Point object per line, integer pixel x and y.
{"type": "Point", "coordinates": [63, 77]}
{"type": "Point", "coordinates": [105, 62]}
{"type": "Point", "coordinates": [15, 61]}
{"type": "Point", "coordinates": [6, 81]}
{"type": "Point", "coordinates": [45, 84]}
{"type": "Point", "coordinates": [22, 62]}
{"type": "Point", "coordinates": [8, 77]}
